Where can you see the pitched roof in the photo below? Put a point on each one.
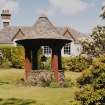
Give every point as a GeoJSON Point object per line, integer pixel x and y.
{"type": "Point", "coordinates": [42, 29]}
{"type": "Point", "coordinates": [6, 34]}
{"type": "Point", "coordinates": [76, 36]}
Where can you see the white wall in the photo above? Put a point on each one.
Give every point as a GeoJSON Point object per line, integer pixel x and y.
{"type": "Point", "coordinates": [75, 49]}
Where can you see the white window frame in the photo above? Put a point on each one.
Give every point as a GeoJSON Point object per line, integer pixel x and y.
{"type": "Point", "coordinates": [47, 50]}
{"type": "Point", "coordinates": [67, 49]}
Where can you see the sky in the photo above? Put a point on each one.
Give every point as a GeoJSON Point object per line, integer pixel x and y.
{"type": "Point", "coordinates": [82, 15]}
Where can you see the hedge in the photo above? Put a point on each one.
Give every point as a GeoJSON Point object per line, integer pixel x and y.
{"type": "Point", "coordinates": [12, 57]}
{"type": "Point", "coordinates": [76, 64]}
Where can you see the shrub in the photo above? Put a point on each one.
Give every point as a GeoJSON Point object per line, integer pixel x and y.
{"type": "Point", "coordinates": [92, 82]}
{"type": "Point", "coordinates": [6, 64]}
{"type": "Point", "coordinates": [12, 57]}
{"type": "Point", "coordinates": [76, 64]}
{"type": "Point", "coordinates": [94, 74]}
{"type": "Point", "coordinates": [17, 57]}
{"type": "Point", "coordinates": [89, 96]}
{"type": "Point", "coordinates": [6, 51]}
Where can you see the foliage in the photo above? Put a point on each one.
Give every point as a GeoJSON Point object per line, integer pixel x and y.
{"type": "Point", "coordinates": [12, 57]}
{"type": "Point", "coordinates": [102, 14]}
{"type": "Point", "coordinates": [6, 64]}
{"type": "Point", "coordinates": [43, 64]}
{"type": "Point", "coordinates": [39, 54]}
{"type": "Point", "coordinates": [17, 57]}
{"type": "Point", "coordinates": [6, 53]}
{"type": "Point", "coordinates": [46, 65]}
{"type": "Point", "coordinates": [91, 96]}
{"type": "Point", "coordinates": [92, 83]}
{"type": "Point", "coordinates": [94, 45]}
{"type": "Point", "coordinates": [76, 64]}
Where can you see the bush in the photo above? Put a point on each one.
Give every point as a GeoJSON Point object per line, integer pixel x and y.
{"type": "Point", "coordinates": [95, 74]}
{"type": "Point", "coordinates": [12, 57]}
{"type": "Point", "coordinates": [17, 57]}
{"type": "Point", "coordinates": [76, 64]}
{"type": "Point", "coordinates": [89, 96]}
{"type": "Point", "coordinates": [92, 82]}
{"type": "Point", "coordinates": [7, 64]}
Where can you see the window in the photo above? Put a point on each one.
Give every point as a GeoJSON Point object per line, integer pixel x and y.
{"type": "Point", "coordinates": [67, 49]}
{"type": "Point", "coordinates": [46, 50]}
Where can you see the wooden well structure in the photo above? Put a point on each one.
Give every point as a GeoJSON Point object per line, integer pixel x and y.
{"type": "Point", "coordinates": [42, 33]}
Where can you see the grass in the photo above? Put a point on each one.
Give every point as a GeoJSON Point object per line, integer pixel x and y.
{"type": "Point", "coordinates": [12, 94]}
{"type": "Point", "coordinates": [15, 101]}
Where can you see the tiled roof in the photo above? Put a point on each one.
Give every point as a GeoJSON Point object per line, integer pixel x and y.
{"type": "Point", "coordinates": [42, 29]}
{"type": "Point", "coordinates": [6, 34]}
{"type": "Point", "coordinates": [77, 36]}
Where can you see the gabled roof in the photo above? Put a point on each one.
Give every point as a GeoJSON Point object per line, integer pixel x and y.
{"type": "Point", "coordinates": [76, 36]}
{"type": "Point", "coordinates": [19, 34]}
{"type": "Point", "coordinates": [67, 33]}
{"type": "Point", "coordinates": [43, 28]}
{"type": "Point", "coordinates": [6, 34]}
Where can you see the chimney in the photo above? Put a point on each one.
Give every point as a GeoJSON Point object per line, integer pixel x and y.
{"type": "Point", "coordinates": [6, 18]}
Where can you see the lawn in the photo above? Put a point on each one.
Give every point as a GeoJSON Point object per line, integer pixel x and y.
{"type": "Point", "coordinates": [12, 94]}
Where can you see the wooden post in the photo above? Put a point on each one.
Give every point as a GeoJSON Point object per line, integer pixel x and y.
{"type": "Point", "coordinates": [28, 64]}
{"type": "Point", "coordinates": [56, 62]}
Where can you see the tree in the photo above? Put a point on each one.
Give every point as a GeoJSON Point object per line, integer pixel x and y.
{"type": "Point", "coordinates": [95, 45]}
{"type": "Point", "coordinates": [92, 81]}
{"type": "Point", "coordinates": [103, 11]}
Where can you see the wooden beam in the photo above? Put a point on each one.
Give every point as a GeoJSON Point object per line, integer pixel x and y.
{"type": "Point", "coordinates": [28, 64]}
{"type": "Point", "coordinates": [56, 64]}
